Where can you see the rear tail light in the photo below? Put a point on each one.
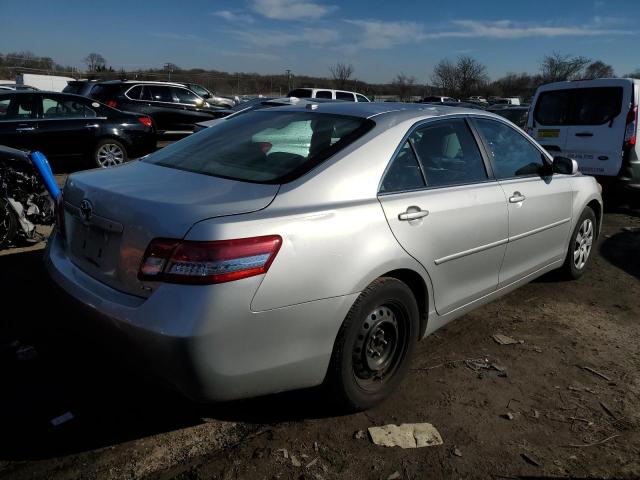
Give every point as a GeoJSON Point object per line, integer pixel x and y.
{"type": "Point", "coordinates": [176, 261]}
{"type": "Point", "coordinates": [146, 121]}
{"type": "Point", "coordinates": [111, 103]}
{"type": "Point", "coordinates": [631, 127]}
{"type": "Point", "coordinates": [265, 146]}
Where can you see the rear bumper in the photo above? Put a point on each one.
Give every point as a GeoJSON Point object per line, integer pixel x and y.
{"type": "Point", "coordinates": [204, 340]}
{"type": "Point", "coordinates": [630, 172]}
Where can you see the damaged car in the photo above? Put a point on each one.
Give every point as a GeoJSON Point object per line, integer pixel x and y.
{"type": "Point", "coordinates": [299, 246]}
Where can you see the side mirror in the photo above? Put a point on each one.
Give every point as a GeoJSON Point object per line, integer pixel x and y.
{"type": "Point", "coordinates": [565, 165]}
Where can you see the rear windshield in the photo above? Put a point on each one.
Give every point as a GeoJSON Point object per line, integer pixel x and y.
{"type": "Point", "coordinates": [580, 106]}
{"type": "Point", "coordinates": [263, 146]}
{"type": "Point", "coordinates": [104, 92]}
{"type": "Point", "coordinates": [300, 93]}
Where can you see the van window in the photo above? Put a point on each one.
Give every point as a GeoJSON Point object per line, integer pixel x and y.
{"type": "Point", "coordinates": [361, 98]}
{"type": "Point", "coordinates": [345, 96]}
{"type": "Point", "coordinates": [300, 93]}
{"type": "Point", "coordinates": [323, 94]}
{"type": "Point", "coordinates": [580, 106]}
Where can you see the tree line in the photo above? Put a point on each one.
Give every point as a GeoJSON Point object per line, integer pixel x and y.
{"type": "Point", "coordinates": [460, 78]}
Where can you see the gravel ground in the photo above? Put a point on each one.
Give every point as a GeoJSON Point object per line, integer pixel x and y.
{"type": "Point", "coordinates": [565, 405]}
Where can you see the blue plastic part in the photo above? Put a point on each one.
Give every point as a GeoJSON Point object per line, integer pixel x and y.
{"type": "Point", "coordinates": [42, 164]}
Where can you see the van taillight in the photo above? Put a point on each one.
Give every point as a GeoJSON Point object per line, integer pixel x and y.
{"type": "Point", "coordinates": [182, 261]}
{"type": "Point", "coordinates": [111, 103]}
{"type": "Point", "coordinates": [631, 127]}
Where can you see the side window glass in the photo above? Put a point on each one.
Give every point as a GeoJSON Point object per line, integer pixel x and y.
{"type": "Point", "coordinates": [185, 96]}
{"type": "Point", "coordinates": [323, 94]}
{"type": "Point", "coordinates": [65, 108]}
{"type": "Point", "coordinates": [345, 96]}
{"type": "Point", "coordinates": [135, 93]}
{"type": "Point", "coordinates": [160, 94]}
{"type": "Point", "coordinates": [513, 155]}
{"type": "Point", "coordinates": [4, 108]}
{"type": "Point", "coordinates": [403, 173]}
{"type": "Point", "coordinates": [449, 154]}
{"type": "Point", "coordinates": [361, 98]}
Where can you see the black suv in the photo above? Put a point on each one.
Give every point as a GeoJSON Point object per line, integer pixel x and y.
{"type": "Point", "coordinates": [172, 106]}
{"type": "Point", "coordinates": [65, 125]}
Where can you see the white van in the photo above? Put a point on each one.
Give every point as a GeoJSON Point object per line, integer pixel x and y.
{"type": "Point", "coordinates": [328, 94]}
{"type": "Point", "coordinates": [592, 121]}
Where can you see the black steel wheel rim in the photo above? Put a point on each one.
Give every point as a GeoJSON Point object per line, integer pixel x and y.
{"type": "Point", "coordinates": [380, 346]}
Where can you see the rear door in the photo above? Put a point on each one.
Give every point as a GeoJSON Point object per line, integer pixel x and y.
{"type": "Point", "coordinates": [549, 117]}
{"type": "Point", "coordinates": [446, 211]}
{"type": "Point", "coordinates": [67, 125]}
{"type": "Point", "coordinates": [539, 206]}
{"type": "Point", "coordinates": [598, 118]}
{"type": "Point", "coordinates": [18, 122]}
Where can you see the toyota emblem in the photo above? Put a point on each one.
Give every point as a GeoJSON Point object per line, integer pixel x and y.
{"type": "Point", "coordinates": [86, 210]}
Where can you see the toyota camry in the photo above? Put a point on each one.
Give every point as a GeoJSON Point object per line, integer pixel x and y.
{"type": "Point", "coordinates": [315, 245]}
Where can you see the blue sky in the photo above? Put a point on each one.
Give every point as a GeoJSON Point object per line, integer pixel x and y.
{"type": "Point", "coordinates": [380, 38]}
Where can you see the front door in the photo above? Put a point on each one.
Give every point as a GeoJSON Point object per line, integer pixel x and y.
{"type": "Point", "coordinates": [539, 206]}
{"type": "Point", "coordinates": [18, 122]}
{"type": "Point", "coordinates": [447, 212]}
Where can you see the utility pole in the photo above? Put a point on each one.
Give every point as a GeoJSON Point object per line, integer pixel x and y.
{"type": "Point", "coordinates": [288, 78]}
{"type": "Point", "coordinates": [167, 66]}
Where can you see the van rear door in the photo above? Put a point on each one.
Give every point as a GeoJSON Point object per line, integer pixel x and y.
{"type": "Point", "coordinates": [548, 117]}
{"type": "Point", "coordinates": [596, 136]}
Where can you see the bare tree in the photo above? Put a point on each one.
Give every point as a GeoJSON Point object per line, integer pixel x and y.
{"type": "Point", "coordinates": [598, 69]}
{"type": "Point", "coordinates": [445, 77]}
{"type": "Point", "coordinates": [558, 67]}
{"type": "Point", "coordinates": [403, 85]}
{"type": "Point", "coordinates": [462, 78]}
{"type": "Point", "coordinates": [95, 62]}
{"type": "Point", "coordinates": [635, 74]}
{"type": "Point", "coordinates": [341, 72]}
{"type": "Point", "coordinates": [471, 75]}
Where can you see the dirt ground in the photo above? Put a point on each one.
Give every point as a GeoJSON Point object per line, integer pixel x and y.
{"type": "Point", "coordinates": [567, 404]}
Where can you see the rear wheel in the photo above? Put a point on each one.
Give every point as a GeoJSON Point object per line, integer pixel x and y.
{"type": "Point", "coordinates": [8, 224]}
{"type": "Point", "coordinates": [580, 246]}
{"type": "Point", "coordinates": [109, 153]}
{"type": "Point", "coordinates": [375, 342]}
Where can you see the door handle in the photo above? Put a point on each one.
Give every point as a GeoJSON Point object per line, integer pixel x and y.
{"type": "Point", "coordinates": [584, 134]}
{"type": "Point", "coordinates": [413, 213]}
{"type": "Point", "coordinates": [91, 125]}
{"type": "Point", "coordinates": [25, 129]}
{"type": "Point", "coordinates": [517, 197]}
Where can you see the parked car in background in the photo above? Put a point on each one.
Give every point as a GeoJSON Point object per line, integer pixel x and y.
{"type": "Point", "coordinates": [16, 87]}
{"type": "Point", "coordinates": [172, 106]}
{"type": "Point", "coordinates": [437, 99]}
{"type": "Point", "coordinates": [243, 264]}
{"type": "Point", "coordinates": [504, 101]}
{"type": "Point", "coordinates": [209, 96]}
{"type": "Point", "coordinates": [328, 93]}
{"type": "Point", "coordinates": [593, 121]}
{"type": "Point", "coordinates": [514, 113]}
{"type": "Point", "coordinates": [475, 106]}
{"type": "Point", "coordinates": [477, 99]}
{"type": "Point", "coordinates": [64, 125]}
{"type": "Point", "coordinates": [258, 104]}
{"type": "Point", "coordinates": [80, 87]}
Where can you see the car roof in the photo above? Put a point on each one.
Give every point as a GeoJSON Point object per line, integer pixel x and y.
{"type": "Point", "coordinates": [403, 111]}
{"type": "Point", "coordinates": [145, 82]}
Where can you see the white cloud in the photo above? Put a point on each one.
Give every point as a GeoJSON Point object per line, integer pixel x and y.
{"type": "Point", "coordinates": [291, 9]}
{"type": "Point", "coordinates": [230, 16]}
{"type": "Point", "coordinates": [275, 38]}
{"type": "Point", "coordinates": [378, 34]}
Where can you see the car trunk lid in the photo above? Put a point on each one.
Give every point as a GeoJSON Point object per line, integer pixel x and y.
{"type": "Point", "coordinates": [112, 215]}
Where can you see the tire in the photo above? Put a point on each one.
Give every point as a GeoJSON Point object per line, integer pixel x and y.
{"type": "Point", "coordinates": [8, 224]}
{"type": "Point", "coordinates": [109, 153]}
{"type": "Point", "coordinates": [373, 347]}
{"type": "Point", "coordinates": [581, 245]}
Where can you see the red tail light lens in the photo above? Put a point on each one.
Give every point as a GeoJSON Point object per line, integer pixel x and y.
{"type": "Point", "coordinates": [111, 103]}
{"type": "Point", "coordinates": [265, 146]}
{"type": "Point", "coordinates": [631, 127]}
{"type": "Point", "coordinates": [176, 261]}
{"type": "Point", "coordinates": [146, 121]}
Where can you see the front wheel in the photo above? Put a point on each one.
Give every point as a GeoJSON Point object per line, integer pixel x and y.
{"type": "Point", "coordinates": [374, 345]}
{"type": "Point", "coordinates": [582, 241]}
{"type": "Point", "coordinates": [109, 153]}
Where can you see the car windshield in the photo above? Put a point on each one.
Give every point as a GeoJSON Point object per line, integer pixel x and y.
{"type": "Point", "coordinates": [199, 90]}
{"type": "Point", "coordinates": [263, 146]}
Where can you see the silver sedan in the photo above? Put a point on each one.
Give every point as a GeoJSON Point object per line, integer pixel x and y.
{"type": "Point", "coordinates": [306, 245]}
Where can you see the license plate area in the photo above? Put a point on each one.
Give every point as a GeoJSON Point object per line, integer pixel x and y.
{"type": "Point", "coordinates": [92, 245]}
